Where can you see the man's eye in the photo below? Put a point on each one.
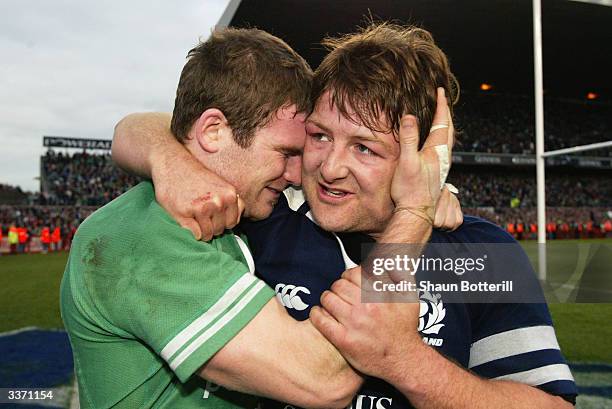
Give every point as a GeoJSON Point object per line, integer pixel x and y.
{"type": "Point", "coordinates": [320, 137]}
{"type": "Point", "coordinates": [364, 149]}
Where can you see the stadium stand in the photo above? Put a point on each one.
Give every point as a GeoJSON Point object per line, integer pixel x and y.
{"type": "Point", "coordinates": [579, 198]}
{"type": "Point", "coordinates": [13, 195]}
{"type": "Point", "coordinates": [498, 188]}
{"type": "Point", "coordinates": [505, 124]}
{"type": "Point", "coordinates": [81, 179]}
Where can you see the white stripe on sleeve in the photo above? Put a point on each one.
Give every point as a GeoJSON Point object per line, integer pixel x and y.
{"type": "Point", "coordinates": [183, 337]}
{"type": "Point", "coordinates": [541, 375]}
{"type": "Point", "coordinates": [513, 342]}
{"type": "Point", "coordinates": [236, 309]}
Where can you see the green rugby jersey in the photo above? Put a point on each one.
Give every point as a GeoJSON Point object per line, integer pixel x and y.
{"type": "Point", "coordinates": [146, 305]}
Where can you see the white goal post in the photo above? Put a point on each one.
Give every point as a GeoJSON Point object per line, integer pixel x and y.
{"type": "Point", "coordinates": [541, 155]}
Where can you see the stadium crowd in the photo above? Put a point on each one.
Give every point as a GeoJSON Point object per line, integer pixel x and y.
{"type": "Point", "coordinates": [81, 179]}
{"type": "Point", "coordinates": [37, 227]}
{"type": "Point", "coordinates": [500, 189]}
{"type": "Point", "coordinates": [505, 124]}
{"type": "Point", "coordinates": [74, 185]}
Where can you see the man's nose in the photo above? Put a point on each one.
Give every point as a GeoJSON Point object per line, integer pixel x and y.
{"type": "Point", "coordinates": [334, 166]}
{"type": "Point", "coordinates": [293, 170]}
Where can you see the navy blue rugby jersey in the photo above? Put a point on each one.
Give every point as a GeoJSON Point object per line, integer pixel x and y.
{"type": "Point", "coordinates": [513, 342]}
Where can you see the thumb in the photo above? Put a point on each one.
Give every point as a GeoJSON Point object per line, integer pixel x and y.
{"type": "Point", "coordinates": [408, 137]}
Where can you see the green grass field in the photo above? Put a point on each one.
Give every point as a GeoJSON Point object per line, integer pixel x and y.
{"type": "Point", "coordinates": [29, 295]}
{"type": "Point", "coordinates": [579, 291]}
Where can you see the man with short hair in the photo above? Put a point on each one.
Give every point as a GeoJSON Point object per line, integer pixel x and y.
{"type": "Point", "coordinates": [146, 306]}
{"type": "Point", "coordinates": [362, 89]}
{"type": "Point", "coordinates": [372, 87]}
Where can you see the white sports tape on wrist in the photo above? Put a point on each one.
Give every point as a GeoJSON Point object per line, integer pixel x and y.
{"type": "Point", "coordinates": [451, 188]}
{"type": "Point", "coordinates": [442, 151]}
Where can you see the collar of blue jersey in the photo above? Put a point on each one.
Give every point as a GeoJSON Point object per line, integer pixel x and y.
{"type": "Point", "coordinates": [297, 203]}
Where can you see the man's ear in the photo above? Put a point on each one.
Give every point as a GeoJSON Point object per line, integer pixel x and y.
{"type": "Point", "coordinates": [210, 130]}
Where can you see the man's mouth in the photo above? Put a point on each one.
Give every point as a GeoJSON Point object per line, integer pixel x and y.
{"type": "Point", "coordinates": [332, 194]}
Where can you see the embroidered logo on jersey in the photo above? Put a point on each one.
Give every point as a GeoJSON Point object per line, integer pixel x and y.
{"type": "Point", "coordinates": [287, 294]}
{"type": "Point", "coordinates": [431, 314]}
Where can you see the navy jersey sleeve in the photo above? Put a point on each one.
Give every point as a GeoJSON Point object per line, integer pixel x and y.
{"type": "Point", "coordinates": [514, 342]}
{"type": "Point", "coordinates": [517, 342]}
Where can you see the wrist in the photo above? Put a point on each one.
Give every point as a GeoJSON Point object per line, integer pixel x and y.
{"type": "Point", "coordinates": [410, 373]}
{"type": "Point", "coordinates": [163, 157]}
{"type": "Point", "coordinates": [426, 213]}
{"type": "Point", "coordinates": [406, 227]}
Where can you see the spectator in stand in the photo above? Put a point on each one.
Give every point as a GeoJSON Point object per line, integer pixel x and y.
{"type": "Point", "coordinates": [520, 230]}
{"type": "Point", "coordinates": [22, 234]}
{"type": "Point", "coordinates": [45, 239]}
{"type": "Point", "coordinates": [56, 239]}
{"type": "Point", "coordinates": [607, 228]}
{"type": "Point", "coordinates": [533, 231]}
{"type": "Point", "coordinates": [13, 238]}
{"type": "Point", "coordinates": [69, 236]}
{"type": "Point", "coordinates": [28, 243]}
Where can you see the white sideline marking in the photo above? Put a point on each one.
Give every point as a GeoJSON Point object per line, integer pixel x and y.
{"type": "Point", "coordinates": [17, 331]}
{"type": "Point", "coordinates": [25, 329]}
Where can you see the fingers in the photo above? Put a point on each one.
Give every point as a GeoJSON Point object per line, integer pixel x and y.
{"type": "Point", "coordinates": [216, 214]}
{"type": "Point", "coordinates": [218, 220]}
{"type": "Point", "coordinates": [327, 325]}
{"type": "Point", "coordinates": [336, 306]}
{"type": "Point", "coordinates": [205, 226]}
{"type": "Point", "coordinates": [192, 225]}
{"type": "Point", "coordinates": [232, 217]}
{"type": "Point", "coordinates": [347, 290]}
{"type": "Point", "coordinates": [442, 209]}
{"type": "Point", "coordinates": [353, 275]}
{"type": "Point", "coordinates": [442, 122]}
{"type": "Point", "coordinates": [409, 138]}
{"type": "Point", "coordinates": [451, 130]}
{"type": "Point", "coordinates": [449, 215]}
{"type": "Point", "coordinates": [458, 214]}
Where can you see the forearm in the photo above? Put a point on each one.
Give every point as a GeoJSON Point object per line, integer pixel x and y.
{"type": "Point", "coordinates": [406, 236]}
{"type": "Point", "coordinates": [141, 139]}
{"type": "Point", "coordinates": [293, 363]}
{"type": "Point", "coordinates": [406, 227]}
{"type": "Point", "coordinates": [441, 384]}
{"type": "Point", "coordinates": [326, 376]}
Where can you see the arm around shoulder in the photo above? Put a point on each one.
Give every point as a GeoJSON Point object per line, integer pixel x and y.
{"type": "Point", "coordinates": [137, 136]}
